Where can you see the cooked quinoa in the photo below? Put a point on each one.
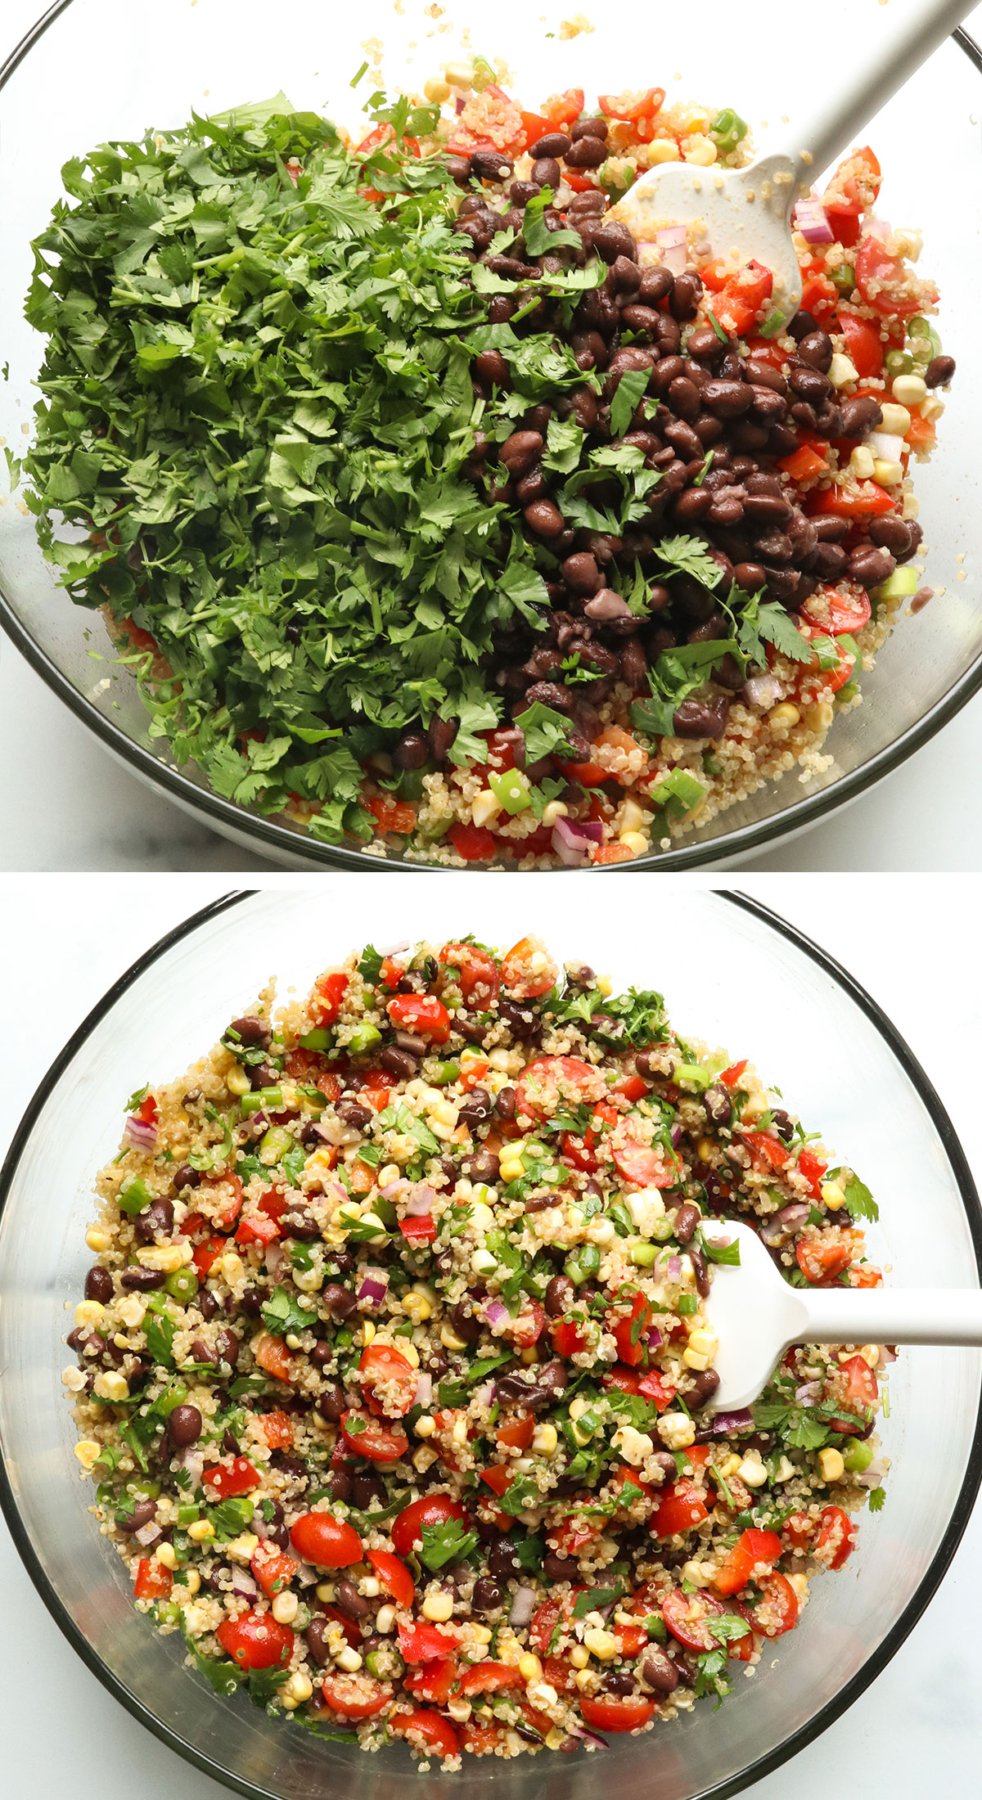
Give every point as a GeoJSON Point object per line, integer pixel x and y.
{"type": "Point", "coordinates": [481, 529]}
{"type": "Point", "coordinates": [394, 1371]}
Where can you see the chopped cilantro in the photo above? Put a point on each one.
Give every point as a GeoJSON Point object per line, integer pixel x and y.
{"type": "Point", "coordinates": [446, 1543]}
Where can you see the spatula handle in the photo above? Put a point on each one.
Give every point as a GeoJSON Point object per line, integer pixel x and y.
{"type": "Point", "coordinates": [906, 34]}
{"type": "Point", "coordinates": [890, 1315]}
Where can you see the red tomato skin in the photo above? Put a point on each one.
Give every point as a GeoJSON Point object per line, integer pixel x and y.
{"type": "Point", "coordinates": [228, 1483]}
{"type": "Point", "coordinates": [473, 843]}
{"type": "Point", "coordinates": [422, 1014]}
{"type": "Point", "coordinates": [394, 1576]}
{"type": "Point", "coordinates": [752, 1547]}
{"type": "Point", "coordinates": [489, 1678]}
{"type": "Point", "coordinates": [354, 1697]}
{"type": "Point", "coordinates": [864, 346]}
{"type": "Point", "coordinates": [375, 1441]}
{"type": "Point", "coordinates": [406, 1530]}
{"type": "Point", "coordinates": [273, 1570]}
{"type": "Point", "coordinates": [433, 1680]}
{"type": "Point", "coordinates": [325, 1002]}
{"type": "Point", "coordinates": [609, 1712]}
{"type": "Point", "coordinates": [326, 1542]}
{"type": "Point", "coordinates": [836, 1538]}
{"type": "Point", "coordinates": [382, 1366]}
{"type": "Point", "coordinates": [478, 970]}
{"type": "Point", "coordinates": [534, 1087]}
{"type": "Point", "coordinates": [421, 1643]}
{"type": "Point", "coordinates": [838, 610]}
{"type": "Point", "coordinates": [692, 1633]}
{"type": "Point", "coordinates": [256, 1641]}
{"type": "Point", "coordinates": [432, 1728]}
{"type": "Point", "coordinates": [681, 1508]}
{"type": "Point", "coordinates": [777, 1610]}
{"type": "Point", "coordinates": [153, 1581]}
{"type": "Point", "coordinates": [821, 1263]}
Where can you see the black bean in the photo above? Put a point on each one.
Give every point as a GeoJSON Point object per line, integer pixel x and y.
{"type": "Point", "coordinates": [317, 1639]}
{"type": "Point", "coordinates": [859, 415]}
{"type": "Point", "coordinates": [465, 1324]}
{"type": "Point", "coordinates": [348, 1600]}
{"type": "Point", "coordinates": [587, 153]}
{"type": "Point", "coordinates": [521, 450]}
{"type": "Point", "coordinates": [552, 1376]}
{"type": "Point", "coordinates": [655, 283]}
{"type": "Point", "coordinates": [554, 143]}
{"type": "Point", "coordinates": [251, 1030]}
{"type": "Point", "coordinates": [459, 167]}
{"type": "Point", "coordinates": [560, 1568]}
{"type": "Point", "coordinates": [186, 1177]}
{"type": "Point", "coordinates": [589, 128]}
{"type": "Point", "coordinates": [502, 1561]}
{"type": "Point", "coordinates": [412, 750]}
{"type": "Point", "coordinates": [726, 397]}
{"type": "Point", "coordinates": [184, 1426]}
{"type": "Point", "coordinates": [686, 1220]}
{"type": "Point", "coordinates": [700, 1271]}
{"type": "Point", "coordinates": [939, 371]}
{"type": "Point", "coordinates": [701, 718]}
{"type": "Point", "coordinates": [142, 1281]}
{"type": "Point", "coordinates": [718, 1104]}
{"type": "Point", "coordinates": [227, 1346]}
{"type": "Point", "coordinates": [559, 1296]}
{"type": "Point", "coordinates": [546, 172]}
{"type": "Point", "coordinates": [870, 565]}
{"type": "Point", "coordinates": [490, 165]}
{"type": "Point", "coordinates": [339, 1301]}
{"type": "Point", "coordinates": [703, 344]}
{"type": "Point", "coordinates": [523, 1023]}
{"type": "Point", "coordinates": [685, 296]}
{"type": "Point", "coordinates": [331, 1401]}
{"type": "Point", "coordinates": [769, 509]}
{"type": "Point", "coordinates": [365, 1489]}
{"type": "Point", "coordinates": [581, 573]}
{"type": "Point", "coordinates": [354, 1114]}
{"type": "Point", "coordinates": [816, 349]}
{"type": "Point", "coordinates": [692, 504]}
{"type": "Point", "coordinates": [340, 1484]}
{"type": "Point", "coordinates": [505, 1103]}
{"type": "Point", "coordinates": [155, 1221]}
{"type": "Point", "coordinates": [487, 1595]}
{"type": "Point", "coordinates": [704, 1385]}
{"type": "Point", "coordinates": [398, 1062]}
{"type": "Point", "coordinates": [658, 1672]}
{"type": "Point", "coordinates": [99, 1285]}
{"type": "Point", "coordinates": [891, 533]}
{"type": "Point", "coordinates": [618, 1683]}
{"type": "Point", "coordinates": [611, 239]}
{"type": "Point", "coordinates": [483, 1166]}
{"type": "Point", "coordinates": [252, 1300]}
{"type": "Point", "coordinates": [492, 369]}
{"type": "Point", "coordinates": [544, 518]}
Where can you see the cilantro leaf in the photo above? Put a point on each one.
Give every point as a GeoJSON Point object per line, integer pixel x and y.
{"type": "Point", "coordinates": [775, 627]}
{"type": "Point", "coordinates": [690, 556]}
{"type": "Point", "coordinates": [446, 1543]}
{"type": "Point", "coordinates": [545, 731]}
{"type": "Point", "coordinates": [876, 1499]}
{"type": "Point", "coordinates": [594, 1599]}
{"type": "Point", "coordinates": [282, 1314]}
{"type": "Point", "coordinates": [859, 1201]}
{"type": "Point", "coordinates": [630, 390]}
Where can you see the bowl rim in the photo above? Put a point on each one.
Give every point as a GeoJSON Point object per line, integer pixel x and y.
{"type": "Point", "coordinates": [300, 847]}
{"type": "Point", "coordinates": [961, 1512]}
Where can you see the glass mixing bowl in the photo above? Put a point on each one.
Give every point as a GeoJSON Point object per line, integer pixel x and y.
{"type": "Point", "coordinates": [807, 1026]}
{"type": "Point", "coordinates": [210, 54]}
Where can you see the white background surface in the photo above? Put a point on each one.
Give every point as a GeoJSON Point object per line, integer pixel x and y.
{"type": "Point", "coordinates": [66, 804]}
{"type": "Point", "coordinates": [918, 954]}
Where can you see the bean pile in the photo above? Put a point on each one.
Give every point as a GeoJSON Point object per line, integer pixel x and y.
{"type": "Point", "coordinates": [394, 1372]}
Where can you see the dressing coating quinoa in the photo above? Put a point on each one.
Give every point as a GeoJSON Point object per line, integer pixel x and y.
{"type": "Point", "coordinates": [394, 1372]}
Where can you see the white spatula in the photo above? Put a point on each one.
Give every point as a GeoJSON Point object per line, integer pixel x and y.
{"type": "Point", "coordinates": [757, 1316]}
{"type": "Point", "coordinates": [748, 211]}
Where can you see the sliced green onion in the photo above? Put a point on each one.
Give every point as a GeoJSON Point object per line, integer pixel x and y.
{"type": "Point", "coordinates": [903, 582]}
{"type": "Point", "coordinates": [316, 1040]}
{"type": "Point", "coordinates": [511, 790]}
{"type": "Point", "coordinates": [182, 1284]}
{"type": "Point", "coordinates": [364, 1037]}
{"type": "Point", "coordinates": [262, 1100]}
{"type": "Point", "coordinates": [858, 1456]}
{"type": "Point", "coordinates": [134, 1197]}
{"type": "Point", "coordinates": [679, 788]}
{"type": "Point", "coordinates": [843, 277]}
{"type": "Point", "coordinates": [275, 1144]}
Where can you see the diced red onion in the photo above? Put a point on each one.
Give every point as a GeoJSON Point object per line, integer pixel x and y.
{"type": "Point", "coordinates": [672, 241]}
{"type": "Point", "coordinates": [811, 220]}
{"type": "Point", "coordinates": [582, 1736]}
{"type": "Point", "coordinates": [496, 1313]}
{"type": "Point", "coordinates": [421, 1201]}
{"type": "Point", "coordinates": [779, 1227]}
{"type": "Point", "coordinates": [878, 228]}
{"type": "Point", "coordinates": [887, 1355]}
{"type": "Point", "coordinates": [274, 1257]}
{"type": "Point", "coordinates": [374, 1283]}
{"type": "Point", "coordinates": [243, 1586]}
{"type": "Point", "coordinates": [807, 1392]}
{"type": "Point", "coordinates": [147, 1534]}
{"type": "Point", "coordinates": [674, 1268]}
{"type": "Point", "coordinates": [484, 1395]}
{"type": "Point", "coordinates": [653, 1337]}
{"type": "Point", "coordinates": [424, 1388]}
{"type": "Point", "coordinates": [573, 840]}
{"type": "Point", "coordinates": [138, 1135]}
{"type": "Point", "coordinates": [394, 1188]}
{"type": "Point", "coordinates": [678, 1134]}
{"type": "Point", "coordinates": [762, 691]}
{"type": "Point", "coordinates": [722, 1423]}
{"type": "Point", "coordinates": [887, 444]}
{"type": "Point", "coordinates": [522, 1606]}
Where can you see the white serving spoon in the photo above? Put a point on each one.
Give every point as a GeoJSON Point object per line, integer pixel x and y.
{"type": "Point", "coordinates": [748, 211]}
{"type": "Point", "coordinates": [757, 1316]}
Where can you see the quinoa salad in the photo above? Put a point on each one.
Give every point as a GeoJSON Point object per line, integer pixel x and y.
{"type": "Point", "coordinates": [394, 1372]}
{"type": "Point", "coordinates": [438, 515]}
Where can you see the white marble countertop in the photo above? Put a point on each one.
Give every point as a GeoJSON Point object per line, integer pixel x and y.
{"type": "Point", "coordinates": [924, 1713]}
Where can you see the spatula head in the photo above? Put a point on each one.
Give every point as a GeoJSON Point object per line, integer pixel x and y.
{"type": "Point", "coordinates": [754, 1313]}
{"type": "Point", "coordinates": [744, 212]}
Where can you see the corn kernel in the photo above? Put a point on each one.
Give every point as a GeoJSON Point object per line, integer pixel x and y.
{"type": "Point", "coordinates": [556, 809]}
{"type": "Point", "coordinates": [437, 91]}
{"type": "Point", "coordinates": [833, 1195]}
{"type": "Point", "coordinates": [385, 1620]}
{"type": "Point", "coordinates": [348, 1660]}
{"type": "Point", "coordinates": [676, 1431]}
{"type": "Point", "coordinates": [861, 462]}
{"type": "Point", "coordinates": [634, 1446]}
{"type": "Point", "coordinates": [409, 1351]}
{"type": "Point", "coordinates": [699, 149]}
{"type": "Point", "coordinates": [635, 841]}
{"type": "Point", "coordinates": [111, 1386]}
{"type": "Point", "coordinates": [579, 1657]}
{"type": "Point", "coordinates": [450, 1340]}
{"type": "Point", "coordinates": [601, 1644]}
{"type": "Point", "coordinates": [98, 1238]}
{"type": "Point", "coordinates": [545, 1440]}
{"type": "Point", "coordinates": [704, 1343]}
{"type": "Point", "coordinates": [192, 1581]}
{"type": "Point", "coordinates": [325, 1591]}
{"type": "Point", "coordinates": [530, 1666]}
{"type": "Point", "coordinates": [389, 1173]}
{"type": "Point", "coordinates": [300, 1688]}
{"type": "Point", "coordinates": [87, 1450]}
{"type": "Point", "coordinates": [555, 1739]}
{"type": "Point", "coordinates": [166, 1258]}
{"type": "Point", "coordinates": [887, 472]}
{"type": "Point", "coordinates": [418, 1303]}
{"type": "Point", "coordinates": [424, 1458]}
{"type": "Point", "coordinates": [662, 150]}
{"type": "Point", "coordinates": [285, 1607]}
{"type": "Point", "coordinates": [480, 1634]}
{"type": "Point", "coordinates": [785, 715]}
{"type": "Point", "coordinates": [529, 1355]}
{"type": "Point", "coordinates": [237, 1081]}
{"type": "Point", "coordinates": [460, 75]}
{"type": "Point", "coordinates": [729, 1466]}
{"type": "Point", "coordinates": [485, 806]}
{"type": "Point", "coordinates": [630, 817]}
{"type": "Point", "coordinates": [459, 1709]}
{"type": "Point", "coordinates": [752, 1471]}
{"type": "Point", "coordinates": [587, 1680]}
{"type": "Point", "coordinates": [166, 1555]}
{"type": "Point", "coordinates": [895, 419]}
{"type": "Point", "coordinates": [367, 1331]}
{"type": "Point", "coordinates": [89, 1312]}
{"type": "Point", "coordinates": [909, 390]}
{"type": "Point", "coordinates": [438, 1608]}
{"type": "Point", "coordinates": [200, 1529]}
{"type": "Point", "coordinates": [459, 1432]}
{"type": "Point", "coordinates": [831, 1464]}
{"type": "Point", "coordinates": [842, 370]}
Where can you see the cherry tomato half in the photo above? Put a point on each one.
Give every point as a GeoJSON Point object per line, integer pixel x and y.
{"type": "Point", "coordinates": [430, 1730]}
{"type": "Point", "coordinates": [372, 1439]}
{"type": "Point", "coordinates": [394, 1576]}
{"type": "Point", "coordinates": [777, 1609]}
{"type": "Point", "coordinates": [326, 1542]}
{"type": "Point", "coordinates": [433, 1509]}
{"type": "Point", "coordinates": [477, 971]}
{"type": "Point", "coordinates": [388, 1380]}
{"type": "Point", "coordinates": [613, 1712]}
{"type": "Point", "coordinates": [355, 1696]}
{"type": "Point", "coordinates": [422, 1014]}
{"type": "Point", "coordinates": [256, 1641]}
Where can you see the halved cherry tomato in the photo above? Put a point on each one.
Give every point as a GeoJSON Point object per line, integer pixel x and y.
{"type": "Point", "coordinates": [840, 609]}
{"type": "Point", "coordinates": [422, 1014]}
{"type": "Point", "coordinates": [852, 500]}
{"type": "Point", "coordinates": [687, 1617]}
{"type": "Point", "coordinates": [355, 1696]}
{"type": "Point", "coordinates": [498, 1478]}
{"type": "Point", "coordinates": [535, 126]}
{"type": "Point", "coordinates": [427, 1728]}
{"type": "Point", "coordinates": [680, 1508]}
{"type": "Point", "coordinates": [368, 1437]}
{"type": "Point", "coordinates": [863, 1275]}
{"type": "Point", "coordinates": [432, 1509]}
{"type": "Point", "coordinates": [489, 120]}
{"type": "Point", "coordinates": [767, 1152]}
{"type": "Point", "coordinates": [854, 186]}
{"type": "Point", "coordinates": [420, 1642]}
{"type": "Point", "coordinates": [574, 1533]}
{"type": "Point", "coordinates": [272, 1568]}
{"type": "Point", "coordinates": [385, 134]}
{"type": "Point", "coordinates": [153, 1581]}
{"type": "Point", "coordinates": [648, 1382]}
{"type": "Point", "coordinates": [480, 1739]}
{"type": "Point", "coordinates": [854, 1385]}
{"type": "Point", "coordinates": [325, 1001]}
{"type": "Point", "coordinates": [545, 1619]}
{"type": "Point", "coordinates": [799, 1530]}
{"type": "Point", "coordinates": [885, 282]}
{"type": "Point", "coordinates": [563, 109]}
{"type": "Point", "coordinates": [473, 842]}
{"type": "Point", "coordinates": [256, 1641]}
{"type": "Point", "coordinates": [490, 1678]}
{"type": "Point", "coordinates": [616, 1712]}
{"type": "Point", "coordinates": [477, 971]}
{"type": "Point", "coordinates": [326, 1542]}
{"type": "Point", "coordinates": [836, 1538]}
{"type": "Point", "coordinates": [731, 1076]}
{"type": "Point", "coordinates": [643, 103]}
{"type": "Point", "coordinates": [391, 815]}
{"type": "Point", "coordinates": [646, 1165]}
{"type": "Point", "coordinates": [623, 1477]}
{"type": "Point", "coordinates": [752, 1547]}
{"type": "Point", "coordinates": [433, 1680]}
{"type": "Point", "coordinates": [820, 1258]}
{"type": "Point", "coordinates": [864, 345]}
{"type": "Point", "coordinates": [527, 971]}
{"type": "Point", "coordinates": [742, 297]}
{"type": "Point", "coordinates": [517, 1434]}
{"type": "Point", "coordinates": [382, 1367]}
{"type": "Point", "coordinates": [550, 1079]}
{"type": "Point", "coordinates": [631, 1088]}
{"type": "Point", "coordinates": [812, 1168]}
{"type": "Point", "coordinates": [819, 294]}
{"type": "Point", "coordinates": [394, 1576]}
{"type": "Point", "coordinates": [777, 1609]}
{"type": "Point", "coordinates": [220, 1198]}
{"type": "Point", "coordinates": [228, 1482]}
{"type": "Point", "coordinates": [272, 1355]}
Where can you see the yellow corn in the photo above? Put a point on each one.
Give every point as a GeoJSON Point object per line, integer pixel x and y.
{"type": "Point", "coordinates": [87, 1451]}
{"type": "Point", "coordinates": [831, 1464]}
{"type": "Point", "coordinates": [237, 1081]}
